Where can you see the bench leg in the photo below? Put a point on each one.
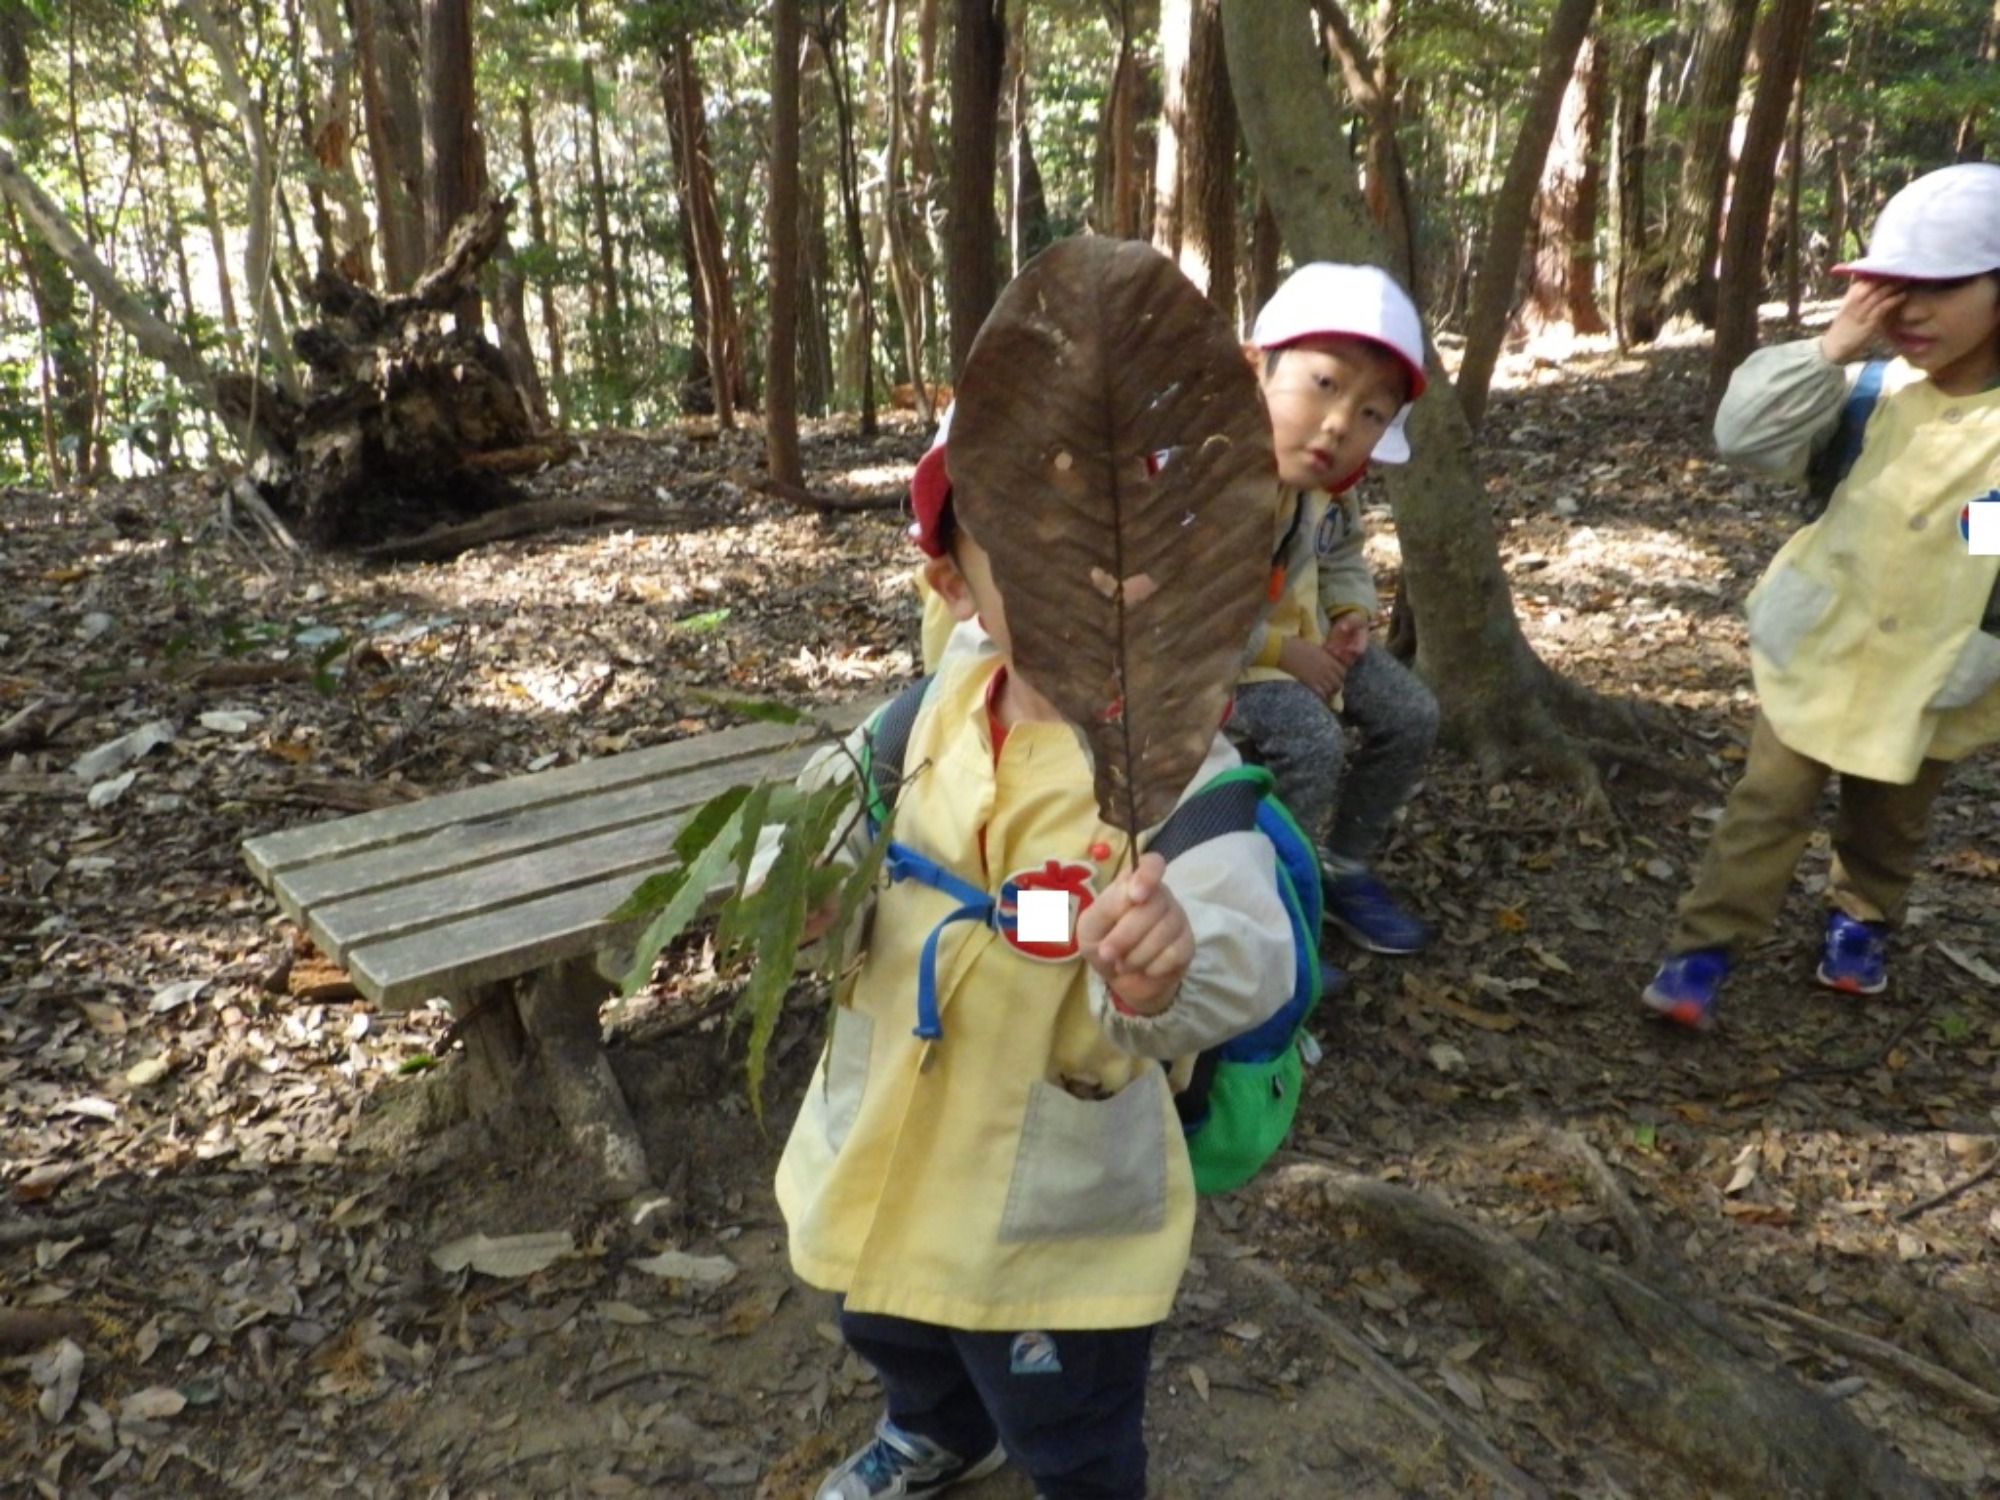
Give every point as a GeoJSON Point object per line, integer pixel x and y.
{"type": "Point", "coordinates": [559, 1009]}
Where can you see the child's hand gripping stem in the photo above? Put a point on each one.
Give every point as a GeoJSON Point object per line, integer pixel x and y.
{"type": "Point", "coordinates": [1136, 936]}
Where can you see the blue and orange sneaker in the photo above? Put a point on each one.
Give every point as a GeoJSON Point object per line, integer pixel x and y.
{"type": "Point", "coordinates": [1853, 960]}
{"type": "Point", "coordinates": [1686, 985]}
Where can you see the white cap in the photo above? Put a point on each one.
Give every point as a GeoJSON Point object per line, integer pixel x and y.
{"type": "Point", "coordinates": [1944, 225]}
{"type": "Point", "coordinates": [1361, 302]}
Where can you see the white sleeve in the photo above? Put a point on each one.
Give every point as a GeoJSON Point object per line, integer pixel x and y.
{"type": "Point", "coordinates": [1243, 964]}
{"type": "Point", "coordinates": [1783, 404]}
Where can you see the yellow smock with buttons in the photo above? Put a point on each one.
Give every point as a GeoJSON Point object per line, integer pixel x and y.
{"type": "Point", "coordinates": [1026, 1169]}
{"type": "Point", "coordinates": [1865, 631]}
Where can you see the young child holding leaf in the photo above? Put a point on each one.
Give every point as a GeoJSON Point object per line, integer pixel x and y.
{"type": "Point", "coordinates": [1339, 351]}
{"type": "Point", "coordinates": [1000, 1195]}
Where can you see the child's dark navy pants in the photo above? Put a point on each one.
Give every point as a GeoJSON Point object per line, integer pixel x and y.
{"type": "Point", "coordinates": [1068, 1406]}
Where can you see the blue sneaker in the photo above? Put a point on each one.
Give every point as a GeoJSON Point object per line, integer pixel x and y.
{"type": "Point", "coordinates": [898, 1463]}
{"type": "Point", "coordinates": [1853, 960]}
{"type": "Point", "coordinates": [1685, 988]}
{"type": "Point", "coordinates": [1362, 908]}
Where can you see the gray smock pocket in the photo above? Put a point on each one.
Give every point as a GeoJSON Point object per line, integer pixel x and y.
{"type": "Point", "coordinates": [1782, 612]}
{"type": "Point", "coordinates": [1975, 671]}
{"type": "Point", "coordinates": [1089, 1166]}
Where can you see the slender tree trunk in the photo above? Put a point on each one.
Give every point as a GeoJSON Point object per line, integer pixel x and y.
{"type": "Point", "coordinates": [1208, 163]}
{"type": "Point", "coordinates": [330, 137]}
{"type": "Point", "coordinates": [1371, 84]}
{"type": "Point", "coordinates": [1562, 258]}
{"type": "Point", "coordinates": [695, 174]}
{"type": "Point", "coordinates": [260, 248]}
{"type": "Point", "coordinates": [1974, 126]}
{"type": "Point", "coordinates": [70, 388]}
{"type": "Point", "coordinates": [538, 232]}
{"type": "Point", "coordinates": [1121, 186]}
{"type": "Point", "coordinates": [909, 278]}
{"type": "Point", "coordinates": [1781, 52]}
{"type": "Point", "coordinates": [454, 160]}
{"type": "Point", "coordinates": [1637, 279]}
{"type": "Point", "coordinates": [1694, 229]}
{"type": "Point", "coordinates": [257, 417]}
{"type": "Point", "coordinates": [1507, 222]}
{"type": "Point", "coordinates": [1498, 698]}
{"type": "Point", "coordinates": [972, 272]}
{"type": "Point", "coordinates": [781, 355]}
{"type": "Point", "coordinates": [1176, 37]}
{"type": "Point", "coordinates": [385, 44]}
{"type": "Point", "coordinates": [833, 49]}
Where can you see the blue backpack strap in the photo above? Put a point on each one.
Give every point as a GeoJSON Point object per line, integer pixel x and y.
{"type": "Point", "coordinates": [974, 905]}
{"type": "Point", "coordinates": [1228, 804]}
{"type": "Point", "coordinates": [1833, 462]}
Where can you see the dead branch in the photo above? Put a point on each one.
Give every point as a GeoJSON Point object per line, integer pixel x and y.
{"type": "Point", "coordinates": [442, 543]}
{"type": "Point", "coordinates": [1633, 1226]}
{"type": "Point", "coordinates": [1957, 1189]}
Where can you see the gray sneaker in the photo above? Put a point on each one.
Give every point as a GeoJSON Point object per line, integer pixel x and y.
{"type": "Point", "coordinates": [898, 1463]}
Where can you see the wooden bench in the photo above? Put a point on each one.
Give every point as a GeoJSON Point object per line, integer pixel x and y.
{"type": "Point", "coordinates": [496, 898]}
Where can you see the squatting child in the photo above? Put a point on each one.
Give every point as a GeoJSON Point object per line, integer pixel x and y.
{"type": "Point", "coordinates": [1340, 354]}
{"type": "Point", "coordinates": [1866, 639]}
{"type": "Point", "coordinates": [1006, 1209]}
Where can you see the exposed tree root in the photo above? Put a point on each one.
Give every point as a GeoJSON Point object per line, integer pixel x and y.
{"type": "Point", "coordinates": [1673, 1375]}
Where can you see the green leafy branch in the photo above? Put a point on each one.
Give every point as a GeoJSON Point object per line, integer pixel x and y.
{"type": "Point", "coordinates": [762, 925]}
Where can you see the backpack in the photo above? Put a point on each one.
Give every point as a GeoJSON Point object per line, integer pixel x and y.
{"type": "Point", "coordinates": [1830, 464]}
{"type": "Point", "coordinates": [1239, 1105]}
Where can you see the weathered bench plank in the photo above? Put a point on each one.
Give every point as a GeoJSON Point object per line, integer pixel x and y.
{"type": "Point", "coordinates": [464, 889]}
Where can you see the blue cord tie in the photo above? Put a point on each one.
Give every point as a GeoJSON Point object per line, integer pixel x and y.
{"type": "Point", "coordinates": [904, 863]}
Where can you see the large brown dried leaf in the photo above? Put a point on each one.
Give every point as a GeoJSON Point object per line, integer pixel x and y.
{"type": "Point", "coordinates": [1129, 595]}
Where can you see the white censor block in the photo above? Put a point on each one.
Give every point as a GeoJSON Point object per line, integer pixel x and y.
{"type": "Point", "coordinates": [1982, 528]}
{"type": "Point", "coordinates": [1042, 916]}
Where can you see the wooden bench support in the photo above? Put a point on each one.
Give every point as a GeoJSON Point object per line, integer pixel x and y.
{"type": "Point", "coordinates": [559, 1010]}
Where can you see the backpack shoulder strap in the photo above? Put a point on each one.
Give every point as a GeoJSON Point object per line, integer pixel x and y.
{"type": "Point", "coordinates": [1227, 804]}
{"type": "Point", "coordinates": [883, 748]}
{"type": "Point", "coordinates": [1832, 463]}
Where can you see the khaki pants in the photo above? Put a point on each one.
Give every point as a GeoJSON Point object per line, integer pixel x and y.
{"type": "Point", "coordinates": [1877, 835]}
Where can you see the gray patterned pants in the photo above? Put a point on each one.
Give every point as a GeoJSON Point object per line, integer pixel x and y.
{"type": "Point", "coordinates": [1344, 803]}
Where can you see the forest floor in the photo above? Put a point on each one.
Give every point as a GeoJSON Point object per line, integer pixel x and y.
{"type": "Point", "coordinates": [206, 1192]}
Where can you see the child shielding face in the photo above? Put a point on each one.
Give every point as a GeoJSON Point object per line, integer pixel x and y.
{"type": "Point", "coordinates": [1930, 282]}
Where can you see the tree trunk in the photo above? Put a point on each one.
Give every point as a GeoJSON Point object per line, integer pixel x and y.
{"type": "Point", "coordinates": [781, 356]}
{"type": "Point", "coordinates": [261, 419]}
{"type": "Point", "coordinates": [385, 43]}
{"type": "Point", "coordinates": [972, 231]}
{"type": "Point", "coordinates": [539, 241]}
{"type": "Point", "coordinates": [909, 278]}
{"type": "Point", "coordinates": [1971, 144]}
{"type": "Point", "coordinates": [1507, 221]}
{"type": "Point", "coordinates": [1636, 278]}
{"type": "Point", "coordinates": [1176, 37]}
{"type": "Point", "coordinates": [613, 368]}
{"type": "Point", "coordinates": [330, 138]}
{"type": "Point", "coordinates": [70, 386]}
{"type": "Point", "coordinates": [694, 175]}
{"type": "Point", "coordinates": [1120, 177]}
{"type": "Point", "coordinates": [1781, 51]}
{"type": "Point", "coordinates": [1371, 85]}
{"type": "Point", "coordinates": [1694, 228]}
{"type": "Point", "coordinates": [1562, 260]}
{"type": "Point", "coordinates": [261, 190]}
{"type": "Point", "coordinates": [832, 41]}
{"type": "Point", "coordinates": [456, 160]}
{"type": "Point", "coordinates": [1028, 232]}
{"type": "Point", "coordinates": [1498, 698]}
{"type": "Point", "coordinates": [1208, 164]}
